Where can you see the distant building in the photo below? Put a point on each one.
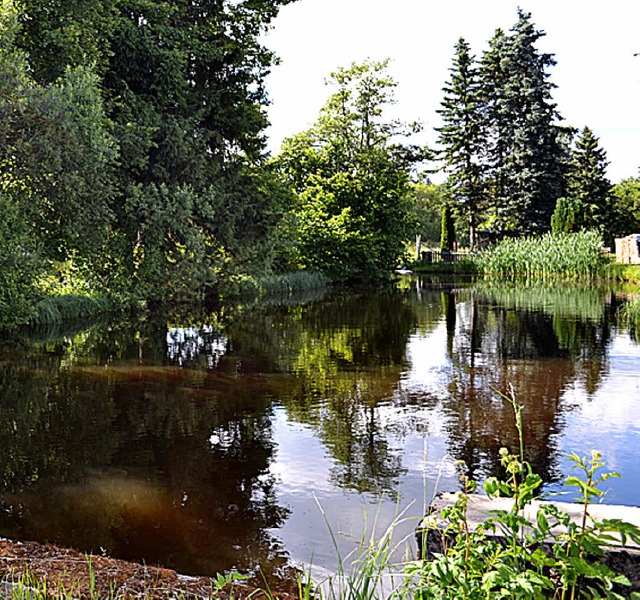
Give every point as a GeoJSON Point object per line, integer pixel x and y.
{"type": "Point", "coordinates": [628, 249]}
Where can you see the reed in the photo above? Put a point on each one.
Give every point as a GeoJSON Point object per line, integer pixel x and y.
{"type": "Point", "coordinates": [553, 254]}
{"type": "Point", "coordinates": [630, 312]}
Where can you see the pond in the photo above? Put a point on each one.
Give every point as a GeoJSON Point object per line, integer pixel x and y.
{"type": "Point", "coordinates": [264, 434]}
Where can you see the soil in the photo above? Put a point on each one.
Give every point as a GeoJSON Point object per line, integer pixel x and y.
{"type": "Point", "coordinates": [67, 573]}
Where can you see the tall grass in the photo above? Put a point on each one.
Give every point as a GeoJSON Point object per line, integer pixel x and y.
{"type": "Point", "coordinates": [370, 571]}
{"type": "Point", "coordinates": [58, 309]}
{"type": "Point", "coordinates": [286, 283]}
{"type": "Point", "coordinates": [552, 254]}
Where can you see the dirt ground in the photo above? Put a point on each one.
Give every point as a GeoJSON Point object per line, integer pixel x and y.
{"type": "Point", "coordinates": [68, 573]}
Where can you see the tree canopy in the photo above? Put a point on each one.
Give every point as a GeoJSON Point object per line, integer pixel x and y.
{"type": "Point", "coordinates": [133, 138]}
{"type": "Point", "coordinates": [504, 149]}
{"type": "Point", "coordinates": [350, 173]}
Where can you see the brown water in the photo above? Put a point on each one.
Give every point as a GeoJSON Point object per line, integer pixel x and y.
{"type": "Point", "coordinates": [206, 443]}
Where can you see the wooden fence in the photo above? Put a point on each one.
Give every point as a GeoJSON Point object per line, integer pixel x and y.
{"type": "Point", "coordinates": [430, 257]}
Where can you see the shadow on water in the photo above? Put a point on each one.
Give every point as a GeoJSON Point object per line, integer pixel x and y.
{"type": "Point", "coordinates": [196, 442]}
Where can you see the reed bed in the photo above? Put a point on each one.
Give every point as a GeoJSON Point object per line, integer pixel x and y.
{"type": "Point", "coordinates": [553, 254]}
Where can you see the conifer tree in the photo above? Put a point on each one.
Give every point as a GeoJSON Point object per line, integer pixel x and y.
{"type": "Point", "coordinates": [461, 135]}
{"type": "Point", "coordinates": [525, 154]}
{"type": "Point", "coordinates": [587, 181]}
{"type": "Point", "coordinates": [567, 216]}
{"type": "Point", "coordinates": [448, 232]}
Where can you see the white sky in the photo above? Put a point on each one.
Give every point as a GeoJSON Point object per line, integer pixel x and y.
{"type": "Point", "coordinates": [593, 41]}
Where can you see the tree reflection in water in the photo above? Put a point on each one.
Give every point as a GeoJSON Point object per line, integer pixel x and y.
{"type": "Point", "coordinates": [155, 440]}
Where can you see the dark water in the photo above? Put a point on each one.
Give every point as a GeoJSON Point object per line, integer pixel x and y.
{"type": "Point", "coordinates": [230, 440]}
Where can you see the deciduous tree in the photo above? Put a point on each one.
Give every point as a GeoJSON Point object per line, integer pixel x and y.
{"type": "Point", "coordinates": [351, 177]}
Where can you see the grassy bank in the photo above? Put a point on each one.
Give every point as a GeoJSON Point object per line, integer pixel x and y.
{"type": "Point", "coordinates": [465, 266]}
{"type": "Point", "coordinates": [57, 308]}
{"type": "Point", "coordinates": [623, 272]}
{"type": "Point", "coordinates": [286, 283]}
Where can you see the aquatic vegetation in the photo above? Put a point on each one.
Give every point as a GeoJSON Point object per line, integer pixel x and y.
{"type": "Point", "coordinates": [567, 254]}
{"type": "Point", "coordinates": [286, 283]}
{"type": "Point", "coordinates": [630, 313]}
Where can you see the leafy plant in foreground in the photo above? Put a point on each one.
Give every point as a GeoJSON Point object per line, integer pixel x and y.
{"type": "Point", "coordinates": [511, 556]}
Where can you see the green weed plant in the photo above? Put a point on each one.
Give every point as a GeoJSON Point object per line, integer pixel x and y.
{"type": "Point", "coordinates": [510, 556]}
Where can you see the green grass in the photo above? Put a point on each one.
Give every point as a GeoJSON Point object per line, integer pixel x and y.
{"type": "Point", "coordinates": [465, 266]}
{"type": "Point", "coordinates": [623, 272]}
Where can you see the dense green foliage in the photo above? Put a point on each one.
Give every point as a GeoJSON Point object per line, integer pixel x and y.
{"type": "Point", "coordinates": [525, 155]}
{"type": "Point", "coordinates": [132, 150]}
{"type": "Point", "coordinates": [587, 183]}
{"type": "Point", "coordinates": [507, 157]}
{"type": "Point", "coordinates": [503, 147]}
{"type": "Point", "coordinates": [448, 233]}
{"type": "Point", "coordinates": [625, 197]}
{"type": "Point", "coordinates": [351, 179]}
{"type": "Point", "coordinates": [56, 157]}
{"type": "Point", "coordinates": [574, 254]}
{"type": "Point", "coordinates": [548, 555]}
{"type": "Point", "coordinates": [132, 144]}
{"type": "Point", "coordinates": [426, 201]}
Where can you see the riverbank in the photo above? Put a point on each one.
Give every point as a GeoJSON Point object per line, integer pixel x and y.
{"type": "Point", "coordinates": [67, 573]}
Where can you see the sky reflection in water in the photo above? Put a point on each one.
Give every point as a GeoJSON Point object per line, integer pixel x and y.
{"type": "Point", "coordinates": [204, 448]}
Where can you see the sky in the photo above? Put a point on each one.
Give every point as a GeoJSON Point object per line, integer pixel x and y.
{"type": "Point", "coordinates": [593, 41]}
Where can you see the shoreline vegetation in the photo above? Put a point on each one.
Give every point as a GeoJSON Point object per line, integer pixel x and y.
{"type": "Point", "coordinates": [573, 256]}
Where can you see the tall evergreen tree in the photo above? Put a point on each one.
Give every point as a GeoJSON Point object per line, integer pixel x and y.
{"type": "Point", "coordinates": [525, 153]}
{"type": "Point", "coordinates": [588, 182]}
{"type": "Point", "coordinates": [461, 137]}
{"type": "Point", "coordinates": [447, 230]}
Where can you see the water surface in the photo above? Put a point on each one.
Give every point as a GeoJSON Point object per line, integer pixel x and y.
{"type": "Point", "coordinates": [232, 439]}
